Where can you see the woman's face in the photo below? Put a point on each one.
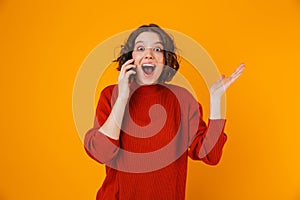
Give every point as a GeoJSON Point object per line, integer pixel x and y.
{"type": "Point", "coordinates": [148, 57]}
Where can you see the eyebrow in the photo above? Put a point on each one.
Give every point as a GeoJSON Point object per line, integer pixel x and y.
{"type": "Point", "coordinates": [154, 43]}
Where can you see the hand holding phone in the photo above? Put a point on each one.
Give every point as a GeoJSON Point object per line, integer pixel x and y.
{"type": "Point", "coordinates": [126, 76]}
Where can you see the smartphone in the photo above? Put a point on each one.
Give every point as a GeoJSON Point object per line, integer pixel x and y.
{"type": "Point", "coordinates": [131, 77]}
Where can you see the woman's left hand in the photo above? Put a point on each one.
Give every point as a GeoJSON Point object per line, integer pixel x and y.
{"type": "Point", "coordinates": [220, 86]}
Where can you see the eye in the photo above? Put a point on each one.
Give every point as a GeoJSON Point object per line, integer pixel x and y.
{"type": "Point", "coordinates": [140, 48]}
{"type": "Point", "coordinates": [157, 49]}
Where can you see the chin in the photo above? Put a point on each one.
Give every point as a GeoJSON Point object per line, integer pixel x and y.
{"type": "Point", "coordinates": [146, 82]}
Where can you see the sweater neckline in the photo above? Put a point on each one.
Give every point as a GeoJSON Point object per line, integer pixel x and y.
{"type": "Point", "coordinates": [153, 89]}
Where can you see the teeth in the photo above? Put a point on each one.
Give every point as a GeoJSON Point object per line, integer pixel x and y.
{"type": "Point", "coordinates": [148, 65]}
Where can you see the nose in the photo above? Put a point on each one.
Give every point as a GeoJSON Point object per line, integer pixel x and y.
{"type": "Point", "coordinates": [148, 53]}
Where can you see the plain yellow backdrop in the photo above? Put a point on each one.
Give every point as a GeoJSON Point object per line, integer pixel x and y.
{"type": "Point", "coordinates": [43, 44]}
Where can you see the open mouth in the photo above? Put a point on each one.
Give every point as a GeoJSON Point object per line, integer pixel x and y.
{"type": "Point", "coordinates": [148, 69]}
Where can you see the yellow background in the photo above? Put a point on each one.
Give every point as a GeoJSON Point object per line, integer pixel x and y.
{"type": "Point", "coordinates": [43, 44]}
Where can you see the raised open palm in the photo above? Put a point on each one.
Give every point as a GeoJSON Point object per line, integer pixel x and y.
{"type": "Point", "coordinates": [220, 86]}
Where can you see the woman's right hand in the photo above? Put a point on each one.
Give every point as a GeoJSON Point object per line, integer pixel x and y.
{"type": "Point", "coordinates": [123, 79]}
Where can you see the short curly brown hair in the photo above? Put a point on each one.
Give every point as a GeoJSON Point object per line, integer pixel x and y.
{"type": "Point", "coordinates": [170, 57]}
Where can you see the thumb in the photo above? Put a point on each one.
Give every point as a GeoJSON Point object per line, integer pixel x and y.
{"type": "Point", "coordinates": [221, 77]}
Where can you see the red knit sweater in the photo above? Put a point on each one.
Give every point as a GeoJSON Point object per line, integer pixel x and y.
{"type": "Point", "coordinates": [161, 127]}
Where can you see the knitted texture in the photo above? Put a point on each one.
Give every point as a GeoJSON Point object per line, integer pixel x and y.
{"type": "Point", "coordinates": [162, 126]}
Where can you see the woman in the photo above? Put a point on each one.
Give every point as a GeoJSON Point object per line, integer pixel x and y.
{"type": "Point", "coordinates": [145, 129]}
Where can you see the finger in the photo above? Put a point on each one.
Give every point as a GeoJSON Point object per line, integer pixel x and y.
{"type": "Point", "coordinates": [127, 68]}
{"type": "Point", "coordinates": [240, 68]}
{"type": "Point", "coordinates": [233, 79]}
{"type": "Point", "coordinates": [127, 63]}
{"type": "Point", "coordinates": [228, 80]}
{"type": "Point", "coordinates": [125, 71]}
{"type": "Point", "coordinates": [238, 72]}
{"type": "Point", "coordinates": [130, 68]}
{"type": "Point", "coordinates": [225, 82]}
{"type": "Point", "coordinates": [130, 72]}
{"type": "Point", "coordinates": [124, 68]}
{"type": "Point", "coordinates": [236, 75]}
{"type": "Point", "coordinates": [221, 77]}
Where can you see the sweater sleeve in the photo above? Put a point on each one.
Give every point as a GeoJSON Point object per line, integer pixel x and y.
{"type": "Point", "coordinates": [97, 145]}
{"type": "Point", "coordinates": [208, 142]}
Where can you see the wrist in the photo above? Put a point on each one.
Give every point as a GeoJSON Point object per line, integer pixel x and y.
{"type": "Point", "coordinates": [122, 100]}
{"type": "Point", "coordinates": [216, 99]}
{"type": "Point", "coordinates": [215, 108]}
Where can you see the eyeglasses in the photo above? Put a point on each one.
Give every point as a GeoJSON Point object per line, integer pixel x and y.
{"type": "Point", "coordinates": [141, 49]}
